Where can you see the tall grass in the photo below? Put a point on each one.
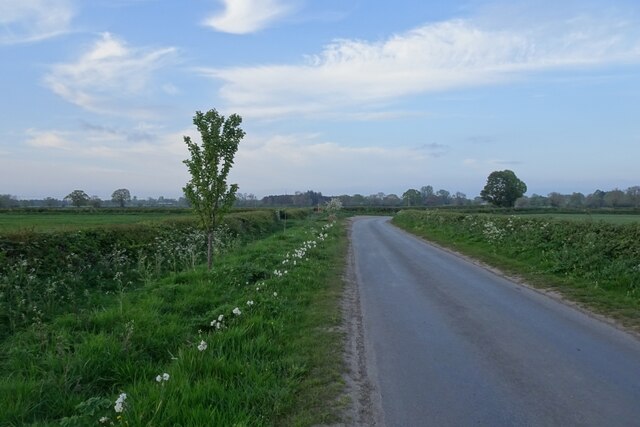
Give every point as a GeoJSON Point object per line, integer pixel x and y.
{"type": "Point", "coordinates": [266, 321]}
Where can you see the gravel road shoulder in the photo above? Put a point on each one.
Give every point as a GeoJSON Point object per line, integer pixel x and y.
{"type": "Point", "coordinates": [365, 408]}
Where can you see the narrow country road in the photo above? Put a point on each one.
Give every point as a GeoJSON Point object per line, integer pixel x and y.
{"type": "Point", "coordinates": [449, 343]}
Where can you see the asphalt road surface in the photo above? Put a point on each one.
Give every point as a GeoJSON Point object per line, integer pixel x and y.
{"type": "Point", "coordinates": [449, 343]}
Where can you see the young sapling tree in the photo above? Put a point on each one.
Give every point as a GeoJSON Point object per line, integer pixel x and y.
{"type": "Point", "coordinates": [207, 191]}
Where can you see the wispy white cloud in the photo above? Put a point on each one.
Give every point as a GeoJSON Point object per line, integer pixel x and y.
{"type": "Point", "coordinates": [248, 16]}
{"type": "Point", "coordinates": [33, 20]}
{"type": "Point", "coordinates": [48, 140]}
{"type": "Point", "coordinates": [434, 57]}
{"type": "Point", "coordinates": [144, 158]}
{"type": "Point", "coordinates": [306, 161]}
{"type": "Point", "coordinates": [116, 143]}
{"type": "Point", "coordinates": [106, 74]}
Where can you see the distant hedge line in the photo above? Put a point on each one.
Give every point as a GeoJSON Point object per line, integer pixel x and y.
{"type": "Point", "coordinates": [89, 245]}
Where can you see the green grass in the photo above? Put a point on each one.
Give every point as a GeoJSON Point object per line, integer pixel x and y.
{"type": "Point", "coordinates": [608, 218]}
{"type": "Point", "coordinates": [71, 221]}
{"type": "Point", "coordinates": [275, 364]}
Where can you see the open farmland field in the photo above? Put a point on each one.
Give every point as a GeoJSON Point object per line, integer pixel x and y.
{"type": "Point", "coordinates": [605, 217]}
{"type": "Point", "coordinates": [70, 220]}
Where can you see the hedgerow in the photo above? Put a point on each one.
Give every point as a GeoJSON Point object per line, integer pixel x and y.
{"type": "Point", "coordinates": [43, 273]}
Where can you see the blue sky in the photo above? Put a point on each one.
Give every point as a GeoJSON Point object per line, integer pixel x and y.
{"type": "Point", "coordinates": [338, 96]}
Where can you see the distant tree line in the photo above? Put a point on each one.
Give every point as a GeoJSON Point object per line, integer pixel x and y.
{"type": "Point", "coordinates": [616, 198]}
{"type": "Point", "coordinates": [78, 198]}
{"type": "Point", "coordinates": [424, 197]}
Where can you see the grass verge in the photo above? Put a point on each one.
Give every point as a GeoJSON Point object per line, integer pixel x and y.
{"type": "Point", "coordinates": [250, 344]}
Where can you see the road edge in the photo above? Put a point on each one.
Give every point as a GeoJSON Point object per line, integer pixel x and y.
{"type": "Point", "coordinates": [550, 293]}
{"type": "Point", "coordinates": [366, 405]}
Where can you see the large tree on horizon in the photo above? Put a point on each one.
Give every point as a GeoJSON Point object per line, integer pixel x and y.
{"type": "Point", "coordinates": [121, 196]}
{"type": "Point", "coordinates": [78, 198]}
{"type": "Point", "coordinates": [503, 188]}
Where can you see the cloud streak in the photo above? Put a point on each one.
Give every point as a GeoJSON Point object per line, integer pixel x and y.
{"type": "Point", "coordinates": [27, 21]}
{"type": "Point", "coordinates": [247, 16]}
{"type": "Point", "coordinates": [108, 73]}
{"type": "Point", "coordinates": [305, 161]}
{"type": "Point", "coordinates": [434, 57]}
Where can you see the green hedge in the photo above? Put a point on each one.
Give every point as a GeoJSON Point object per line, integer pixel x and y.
{"type": "Point", "coordinates": [42, 273]}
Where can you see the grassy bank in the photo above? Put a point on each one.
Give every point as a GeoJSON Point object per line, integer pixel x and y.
{"type": "Point", "coordinates": [596, 264]}
{"type": "Point", "coordinates": [44, 273]}
{"type": "Point", "coordinates": [250, 344]}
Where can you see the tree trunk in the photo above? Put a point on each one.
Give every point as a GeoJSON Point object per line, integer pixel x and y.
{"type": "Point", "coordinates": [209, 250]}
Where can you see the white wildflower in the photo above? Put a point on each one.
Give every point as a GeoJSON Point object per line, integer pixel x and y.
{"type": "Point", "coordinates": [237, 311]}
{"type": "Point", "coordinates": [202, 346]}
{"type": "Point", "coordinates": [250, 303]}
{"type": "Point", "coordinates": [119, 406]}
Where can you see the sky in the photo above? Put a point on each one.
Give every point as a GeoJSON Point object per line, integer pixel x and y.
{"type": "Point", "coordinates": [336, 96]}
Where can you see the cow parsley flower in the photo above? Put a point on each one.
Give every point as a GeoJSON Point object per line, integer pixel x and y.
{"type": "Point", "coordinates": [237, 311]}
{"type": "Point", "coordinates": [120, 402]}
{"type": "Point", "coordinates": [163, 377]}
{"type": "Point", "coordinates": [202, 346]}
{"type": "Point", "coordinates": [250, 303]}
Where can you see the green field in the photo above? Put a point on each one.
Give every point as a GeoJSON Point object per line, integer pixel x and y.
{"type": "Point", "coordinates": [69, 221]}
{"type": "Point", "coordinates": [609, 218]}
